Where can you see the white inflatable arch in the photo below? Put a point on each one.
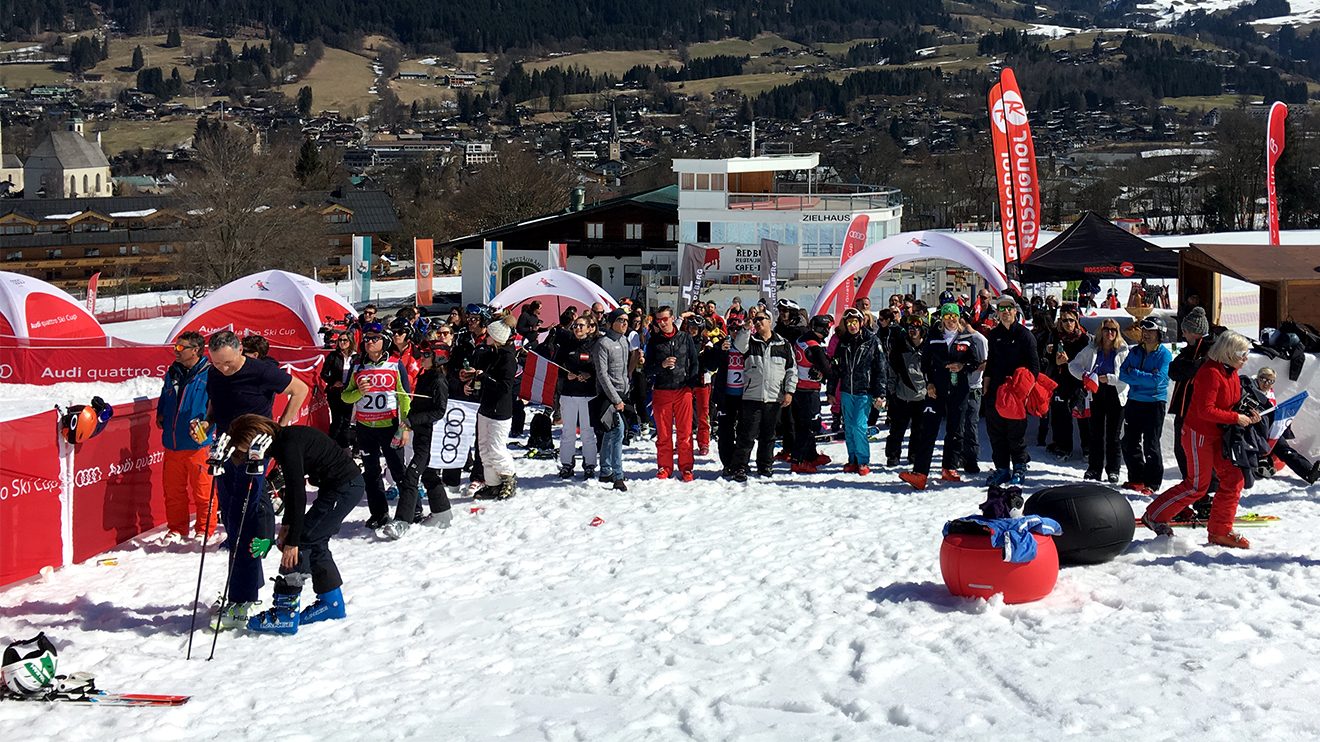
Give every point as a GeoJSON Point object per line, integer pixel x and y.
{"type": "Point", "coordinates": [553, 282]}
{"type": "Point", "coordinates": [891, 252]}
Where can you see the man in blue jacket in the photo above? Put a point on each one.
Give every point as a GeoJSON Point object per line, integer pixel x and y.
{"type": "Point", "coordinates": [1146, 372]}
{"type": "Point", "coordinates": [187, 479]}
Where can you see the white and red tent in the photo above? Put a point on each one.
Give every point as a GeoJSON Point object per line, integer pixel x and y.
{"type": "Point", "coordinates": [285, 308]}
{"type": "Point", "coordinates": [556, 289]}
{"type": "Point", "coordinates": [884, 255]}
{"type": "Point", "coordinates": [33, 310]}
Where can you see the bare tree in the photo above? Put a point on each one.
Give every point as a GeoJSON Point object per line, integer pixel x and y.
{"type": "Point", "coordinates": [245, 212]}
{"type": "Point", "coordinates": [515, 187]}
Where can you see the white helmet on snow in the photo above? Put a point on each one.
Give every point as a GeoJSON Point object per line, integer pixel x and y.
{"type": "Point", "coordinates": [29, 666]}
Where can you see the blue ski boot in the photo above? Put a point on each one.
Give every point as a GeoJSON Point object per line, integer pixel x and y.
{"type": "Point", "coordinates": [1019, 476]}
{"type": "Point", "coordinates": [328, 607]}
{"type": "Point", "coordinates": [999, 476]}
{"type": "Point", "coordinates": [281, 619]}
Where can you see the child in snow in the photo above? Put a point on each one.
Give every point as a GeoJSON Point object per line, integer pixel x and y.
{"type": "Point", "coordinates": [305, 455]}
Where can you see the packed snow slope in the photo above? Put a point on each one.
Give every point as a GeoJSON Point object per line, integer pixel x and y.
{"type": "Point", "coordinates": [803, 608]}
{"type": "Point", "coordinates": [1303, 11]}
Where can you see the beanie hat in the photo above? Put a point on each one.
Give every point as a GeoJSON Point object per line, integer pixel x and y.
{"type": "Point", "coordinates": [499, 332]}
{"type": "Point", "coordinates": [950, 308]}
{"type": "Point", "coordinates": [1196, 322]}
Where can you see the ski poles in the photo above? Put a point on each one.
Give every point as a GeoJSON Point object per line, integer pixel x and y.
{"type": "Point", "coordinates": [206, 537]}
{"type": "Point", "coordinates": [233, 553]}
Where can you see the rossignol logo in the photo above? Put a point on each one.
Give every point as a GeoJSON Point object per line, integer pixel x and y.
{"type": "Point", "coordinates": [1009, 110]}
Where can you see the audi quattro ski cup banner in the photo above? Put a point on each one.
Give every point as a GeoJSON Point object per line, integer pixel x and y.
{"type": "Point", "coordinates": [30, 490]}
{"type": "Point", "coordinates": [117, 481]}
{"type": "Point", "coordinates": [45, 366]}
{"type": "Point", "coordinates": [853, 242]}
{"type": "Point", "coordinates": [770, 271]}
{"type": "Point", "coordinates": [424, 266]}
{"type": "Point", "coordinates": [1273, 150]}
{"type": "Point", "coordinates": [454, 435]}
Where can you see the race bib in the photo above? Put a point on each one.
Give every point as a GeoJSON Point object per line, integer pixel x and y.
{"type": "Point", "coordinates": [379, 400]}
{"type": "Point", "coordinates": [736, 378]}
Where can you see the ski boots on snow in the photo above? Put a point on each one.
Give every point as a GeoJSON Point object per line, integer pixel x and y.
{"type": "Point", "coordinates": [233, 616]}
{"type": "Point", "coordinates": [999, 476]}
{"type": "Point", "coordinates": [328, 607]}
{"type": "Point", "coordinates": [281, 618]}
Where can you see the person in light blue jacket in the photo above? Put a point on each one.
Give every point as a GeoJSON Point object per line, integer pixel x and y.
{"type": "Point", "coordinates": [1146, 372]}
{"type": "Point", "coordinates": [185, 477]}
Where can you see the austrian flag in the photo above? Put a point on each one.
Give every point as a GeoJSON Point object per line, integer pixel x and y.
{"type": "Point", "coordinates": [538, 381]}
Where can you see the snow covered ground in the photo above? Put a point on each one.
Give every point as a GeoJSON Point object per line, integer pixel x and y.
{"type": "Point", "coordinates": [380, 290]}
{"type": "Point", "coordinates": [806, 608]}
{"type": "Point", "coordinates": [1303, 11]}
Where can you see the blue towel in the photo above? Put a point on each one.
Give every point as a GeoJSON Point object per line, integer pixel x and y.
{"type": "Point", "coordinates": [1013, 535]}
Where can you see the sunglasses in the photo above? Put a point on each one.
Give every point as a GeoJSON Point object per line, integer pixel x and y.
{"type": "Point", "coordinates": [1265, 382]}
{"type": "Point", "coordinates": [180, 347]}
{"type": "Point", "coordinates": [757, 320]}
{"type": "Point", "coordinates": [1068, 321]}
{"type": "Point", "coordinates": [580, 325]}
{"type": "Point", "coordinates": [444, 332]}
{"type": "Point", "coordinates": [373, 339]}
{"type": "Point", "coordinates": [1109, 329]}
{"type": "Point", "coordinates": [1244, 354]}
{"type": "Point", "coordinates": [1007, 309]}
{"type": "Point", "coordinates": [664, 319]}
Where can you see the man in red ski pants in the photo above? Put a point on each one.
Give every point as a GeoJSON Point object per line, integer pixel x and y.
{"type": "Point", "coordinates": [671, 363]}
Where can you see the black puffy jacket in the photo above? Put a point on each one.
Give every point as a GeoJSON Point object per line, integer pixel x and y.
{"type": "Point", "coordinates": [574, 357]}
{"type": "Point", "coordinates": [681, 347]}
{"type": "Point", "coordinates": [860, 365]}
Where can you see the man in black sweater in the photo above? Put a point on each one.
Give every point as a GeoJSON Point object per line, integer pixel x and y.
{"type": "Point", "coordinates": [1012, 346]}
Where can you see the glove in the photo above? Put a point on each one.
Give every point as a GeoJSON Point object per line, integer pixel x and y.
{"type": "Point", "coordinates": [220, 452]}
{"type": "Point", "coordinates": [260, 547]}
{"type": "Point", "coordinates": [257, 453]}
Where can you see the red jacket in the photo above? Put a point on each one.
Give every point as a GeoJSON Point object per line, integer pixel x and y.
{"type": "Point", "coordinates": [1011, 398]}
{"type": "Point", "coordinates": [1215, 391]}
{"type": "Point", "coordinates": [1038, 400]}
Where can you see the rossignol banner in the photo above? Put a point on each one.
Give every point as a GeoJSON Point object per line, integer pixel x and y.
{"type": "Point", "coordinates": [1274, 135]}
{"type": "Point", "coordinates": [91, 291]}
{"type": "Point", "coordinates": [361, 268]}
{"type": "Point", "coordinates": [770, 271]}
{"type": "Point", "coordinates": [1022, 154]}
{"type": "Point", "coordinates": [454, 435]}
{"type": "Point", "coordinates": [492, 257]}
{"type": "Point", "coordinates": [424, 266]}
{"type": "Point", "coordinates": [558, 256]}
{"type": "Point", "coordinates": [853, 242]}
{"type": "Point", "coordinates": [1003, 173]}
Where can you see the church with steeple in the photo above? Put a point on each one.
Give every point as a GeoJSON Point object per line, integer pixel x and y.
{"type": "Point", "coordinates": [65, 165]}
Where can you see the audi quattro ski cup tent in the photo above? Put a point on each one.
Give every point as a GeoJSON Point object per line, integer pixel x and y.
{"type": "Point", "coordinates": [33, 310]}
{"type": "Point", "coordinates": [285, 308]}
{"type": "Point", "coordinates": [554, 288]}
{"type": "Point", "coordinates": [880, 257]}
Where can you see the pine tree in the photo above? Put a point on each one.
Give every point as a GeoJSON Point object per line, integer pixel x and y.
{"type": "Point", "coordinates": [305, 100]}
{"type": "Point", "coordinates": [309, 162]}
{"type": "Point", "coordinates": [138, 61]}
{"type": "Point", "coordinates": [173, 40]}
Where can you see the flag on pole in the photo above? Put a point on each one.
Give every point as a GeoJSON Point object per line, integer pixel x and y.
{"type": "Point", "coordinates": [1003, 172]}
{"type": "Point", "coordinates": [361, 274]}
{"type": "Point", "coordinates": [854, 241]}
{"type": "Point", "coordinates": [769, 271]}
{"type": "Point", "coordinates": [1273, 150]}
{"type": "Point", "coordinates": [539, 378]}
{"type": "Point", "coordinates": [492, 255]}
{"type": "Point", "coordinates": [424, 263]}
{"type": "Point", "coordinates": [558, 258]}
{"type": "Point", "coordinates": [1022, 151]}
{"type": "Point", "coordinates": [1284, 412]}
{"type": "Point", "coordinates": [91, 292]}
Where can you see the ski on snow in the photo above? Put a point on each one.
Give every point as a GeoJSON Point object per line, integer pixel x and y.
{"type": "Point", "coordinates": [1250, 520]}
{"type": "Point", "coordinates": [80, 688]}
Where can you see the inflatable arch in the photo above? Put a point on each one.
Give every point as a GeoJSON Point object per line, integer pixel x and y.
{"type": "Point", "coordinates": [887, 254]}
{"type": "Point", "coordinates": [553, 286]}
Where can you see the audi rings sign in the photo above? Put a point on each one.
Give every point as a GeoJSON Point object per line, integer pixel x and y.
{"type": "Point", "coordinates": [453, 437]}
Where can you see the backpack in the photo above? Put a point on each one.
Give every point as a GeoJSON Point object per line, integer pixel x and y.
{"type": "Point", "coordinates": [911, 373]}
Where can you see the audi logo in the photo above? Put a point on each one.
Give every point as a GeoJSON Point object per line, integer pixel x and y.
{"type": "Point", "coordinates": [376, 379]}
{"type": "Point", "coordinates": [453, 436]}
{"type": "Point", "coordinates": [6, 371]}
{"type": "Point", "coordinates": [87, 477]}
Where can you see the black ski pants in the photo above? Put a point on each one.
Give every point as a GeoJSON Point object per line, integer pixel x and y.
{"type": "Point", "coordinates": [756, 426]}
{"type": "Point", "coordinates": [1143, 426]}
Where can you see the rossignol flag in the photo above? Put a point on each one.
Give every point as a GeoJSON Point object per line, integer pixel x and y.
{"type": "Point", "coordinates": [558, 258]}
{"type": "Point", "coordinates": [492, 257]}
{"type": "Point", "coordinates": [361, 268]}
{"type": "Point", "coordinates": [91, 291]}
{"type": "Point", "coordinates": [770, 271]}
{"type": "Point", "coordinates": [538, 380]}
{"type": "Point", "coordinates": [853, 242]}
{"type": "Point", "coordinates": [1273, 149]}
{"type": "Point", "coordinates": [1284, 412]}
{"type": "Point", "coordinates": [1022, 153]}
{"type": "Point", "coordinates": [1003, 174]}
{"type": "Point", "coordinates": [424, 265]}
{"type": "Point", "coordinates": [692, 272]}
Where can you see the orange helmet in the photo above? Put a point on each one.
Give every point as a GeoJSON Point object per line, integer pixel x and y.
{"type": "Point", "coordinates": [81, 422]}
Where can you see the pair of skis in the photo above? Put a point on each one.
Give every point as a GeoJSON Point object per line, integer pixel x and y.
{"type": "Point", "coordinates": [80, 688]}
{"type": "Point", "coordinates": [1248, 520]}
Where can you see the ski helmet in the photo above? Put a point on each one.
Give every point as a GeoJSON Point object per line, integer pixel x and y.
{"type": "Point", "coordinates": [29, 666]}
{"type": "Point", "coordinates": [820, 324]}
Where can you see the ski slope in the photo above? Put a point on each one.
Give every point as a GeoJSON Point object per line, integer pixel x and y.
{"type": "Point", "coordinates": [1303, 11]}
{"type": "Point", "coordinates": [805, 608]}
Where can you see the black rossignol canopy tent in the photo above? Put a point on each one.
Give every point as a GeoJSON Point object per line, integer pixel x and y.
{"type": "Point", "coordinates": [1093, 247]}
